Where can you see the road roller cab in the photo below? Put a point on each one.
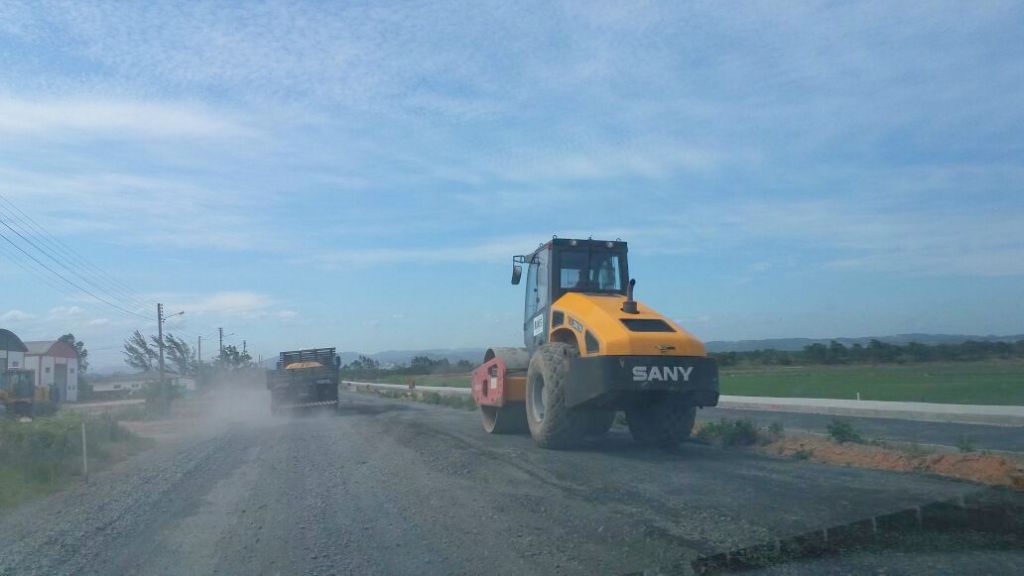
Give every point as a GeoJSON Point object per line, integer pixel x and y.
{"type": "Point", "coordinates": [591, 350]}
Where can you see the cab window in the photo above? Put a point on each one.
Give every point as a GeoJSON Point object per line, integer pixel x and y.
{"type": "Point", "coordinates": [573, 272]}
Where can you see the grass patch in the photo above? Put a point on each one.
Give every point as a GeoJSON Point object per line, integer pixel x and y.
{"type": "Point", "coordinates": [995, 382]}
{"type": "Point", "coordinates": [842, 431]}
{"type": "Point", "coordinates": [730, 433]}
{"type": "Point", "coordinates": [803, 454]}
{"type": "Point", "coordinates": [462, 402]}
{"type": "Point", "coordinates": [965, 443]}
{"type": "Point", "coordinates": [40, 456]}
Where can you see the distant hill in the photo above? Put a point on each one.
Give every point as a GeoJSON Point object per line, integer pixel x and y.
{"type": "Point", "coordinates": [797, 344]}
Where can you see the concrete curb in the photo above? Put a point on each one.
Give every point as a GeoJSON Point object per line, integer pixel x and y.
{"type": "Point", "coordinates": [442, 390]}
{"type": "Point", "coordinates": [923, 411]}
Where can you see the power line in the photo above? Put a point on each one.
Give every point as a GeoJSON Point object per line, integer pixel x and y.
{"type": "Point", "coordinates": [110, 286]}
{"type": "Point", "coordinates": [67, 250]}
{"type": "Point", "coordinates": [65, 257]}
{"type": "Point", "coordinates": [20, 261]}
{"type": "Point", "coordinates": [69, 282]}
{"type": "Point", "coordinates": [55, 260]}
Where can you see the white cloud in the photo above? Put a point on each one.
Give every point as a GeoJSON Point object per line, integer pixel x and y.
{"type": "Point", "coordinates": [226, 304]}
{"type": "Point", "coordinates": [237, 303]}
{"type": "Point", "coordinates": [883, 236]}
{"type": "Point", "coordinates": [66, 313]}
{"type": "Point", "coordinates": [483, 251]}
{"type": "Point", "coordinates": [644, 160]}
{"type": "Point", "coordinates": [123, 119]}
{"type": "Point", "coordinates": [153, 210]}
{"type": "Point", "coordinates": [15, 316]}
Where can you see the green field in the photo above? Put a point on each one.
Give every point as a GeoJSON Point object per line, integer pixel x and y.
{"type": "Point", "coordinates": [452, 380]}
{"type": "Point", "coordinates": [984, 382]}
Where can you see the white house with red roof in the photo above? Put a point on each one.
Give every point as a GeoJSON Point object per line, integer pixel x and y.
{"type": "Point", "coordinates": [56, 366]}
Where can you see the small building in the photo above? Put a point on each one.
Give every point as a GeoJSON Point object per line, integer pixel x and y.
{"type": "Point", "coordinates": [126, 384]}
{"type": "Point", "coordinates": [56, 366]}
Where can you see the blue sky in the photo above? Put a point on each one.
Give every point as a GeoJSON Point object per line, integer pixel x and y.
{"type": "Point", "coordinates": [358, 174]}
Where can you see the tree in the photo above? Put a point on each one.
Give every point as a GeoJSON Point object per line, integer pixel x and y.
{"type": "Point", "coordinates": [420, 365]}
{"type": "Point", "coordinates": [836, 352]}
{"type": "Point", "coordinates": [83, 354]}
{"type": "Point", "coordinates": [138, 353]}
{"type": "Point", "coordinates": [232, 359]}
{"type": "Point", "coordinates": [179, 353]}
{"type": "Point", "coordinates": [367, 363]}
{"type": "Point", "coordinates": [816, 353]}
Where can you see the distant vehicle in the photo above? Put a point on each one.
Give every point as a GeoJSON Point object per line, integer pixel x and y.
{"type": "Point", "coordinates": [591, 350]}
{"type": "Point", "coordinates": [304, 379]}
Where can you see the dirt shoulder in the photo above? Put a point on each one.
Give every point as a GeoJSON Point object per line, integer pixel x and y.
{"type": "Point", "coordinates": [989, 469]}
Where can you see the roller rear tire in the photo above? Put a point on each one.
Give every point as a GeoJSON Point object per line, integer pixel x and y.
{"type": "Point", "coordinates": [552, 424]}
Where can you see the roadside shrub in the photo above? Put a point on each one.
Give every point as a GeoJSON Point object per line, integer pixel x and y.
{"type": "Point", "coordinates": [730, 432]}
{"type": "Point", "coordinates": [462, 402]}
{"type": "Point", "coordinates": [842, 431]}
{"type": "Point", "coordinates": [430, 398]}
{"type": "Point", "coordinates": [802, 454]}
{"type": "Point", "coordinates": [777, 429]}
{"type": "Point", "coordinates": [965, 443]}
{"type": "Point", "coordinates": [914, 450]}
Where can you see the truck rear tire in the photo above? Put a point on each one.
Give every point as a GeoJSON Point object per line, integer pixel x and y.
{"type": "Point", "coordinates": [663, 422]}
{"type": "Point", "coordinates": [552, 423]}
{"type": "Point", "coordinates": [507, 419]}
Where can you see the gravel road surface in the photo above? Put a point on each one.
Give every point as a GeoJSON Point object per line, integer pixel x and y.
{"type": "Point", "coordinates": [392, 487]}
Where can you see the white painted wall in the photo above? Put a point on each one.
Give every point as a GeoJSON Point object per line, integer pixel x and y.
{"type": "Point", "coordinates": [44, 367]}
{"type": "Point", "coordinates": [70, 392]}
{"type": "Point", "coordinates": [14, 359]}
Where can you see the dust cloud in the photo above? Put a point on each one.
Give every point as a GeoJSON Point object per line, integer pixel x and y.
{"type": "Point", "coordinates": [237, 398]}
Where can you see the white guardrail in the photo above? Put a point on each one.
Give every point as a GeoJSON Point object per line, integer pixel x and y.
{"type": "Point", "coordinates": [924, 411]}
{"type": "Point", "coordinates": [443, 390]}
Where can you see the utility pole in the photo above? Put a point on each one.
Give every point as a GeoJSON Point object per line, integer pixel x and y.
{"type": "Point", "coordinates": [160, 338]}
{"type": "Point", "coordinates": [200, 372]}
{"type": "Point", "coordinates": [244, 346]}
{"type": "Point", "coordinates": [221, 332]}
{"type": "Point", "coordinates": [164, 392]}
